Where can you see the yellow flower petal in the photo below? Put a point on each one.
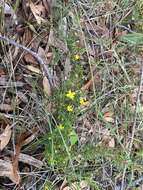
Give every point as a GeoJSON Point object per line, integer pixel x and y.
{"type": "Point", "coordinates": [83, 101]}
{"type": "Point", "coordinates": [61, 127]}
{"type": "Point", "coordinates": [70, 95]}
{"type": "Point", "coordinates": [77, 57]}
{"type": "Point", "coordinates": [70, 108]}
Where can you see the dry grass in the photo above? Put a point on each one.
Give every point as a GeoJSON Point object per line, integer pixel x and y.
{"type": "Point", "coordinates": [108, 74]}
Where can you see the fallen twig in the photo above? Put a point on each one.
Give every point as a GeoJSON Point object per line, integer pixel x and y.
{"type": "Point", "coordinates": [34, 54]}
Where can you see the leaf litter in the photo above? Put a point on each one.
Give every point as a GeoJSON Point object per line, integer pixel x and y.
{"type": "Point", "coordinates": [107, 65]}
{"type": "Point", "coordinates": [5, 137]}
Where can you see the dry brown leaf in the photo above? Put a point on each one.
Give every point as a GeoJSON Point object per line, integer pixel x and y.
{"type": "Point", "coordinates": [46, 86]}
{"type": "Point", "coordinates": [111, 143]}
{"type": "Point", "coordinates": [87, 85]}
{"type": "Point", "coordinates": [96, 80]}
{"type": "Point", "coordinates": [66, 1]}
{"type": "Point", "coordinates": [30, 160]}
{"type": "Point", "coordinates": [109, 119]}
{"type": "Point", "coordinates": [67, 188]}
{"type": "Point", "coordinates": [106, 135]}
{"type": "Point", "coordinates": [108, 116]}
{"type": "Point", "coordinates": [41, 53]}
{"type": "Point", "coordinates": [16, 159]}
{"type": "Point", "coordinates": [49, 55]}
{"type": "Point", "coordinates": [47, 5]}
{"type": "Point", "coordinates": [33, 69]}
{"type": "Point", "coordinates": [20, 142]}
{"type": "Point", "coordinates": [30, 59]}
{"type": "Point", "coordinates": [27, 37]}
{"type": "Point", "coordinates": [63, 184]}
{"type": "Point", "coordinates": [6, 170]}
{"type": "Point", "coordinates": [107, 139]}
{"type": "Point", "coordinates": [30, 138]}
{"type": "Point", "coordinates": [6, 107]}
{"type": "Point", "coordinates": [1, 72]}
{"type": "Point", "coordinates": [5, 137]}
{"type": "Point", "coordinates": [37, 10]}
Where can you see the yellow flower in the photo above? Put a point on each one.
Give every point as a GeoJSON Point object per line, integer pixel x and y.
{"type": "Point", "coordinates": [70, 108]}
{"type": "Point", "coordinates": [83, 101]}
{"type": "Point", "coordinates": [61, 127]}
{"type": "Point", "coordinates": [70, 95]}
{"type": "Point", "coordinates": [77, 57]}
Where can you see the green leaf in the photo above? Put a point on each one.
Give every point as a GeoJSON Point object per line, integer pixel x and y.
{"type": "Point", "coordinates": [134, 38]}
{"type": "Point", "coordinates": [73, 138]}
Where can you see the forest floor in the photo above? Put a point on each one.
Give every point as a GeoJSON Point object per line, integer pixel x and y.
{"type": "Point", "coordinates": [71, 95]}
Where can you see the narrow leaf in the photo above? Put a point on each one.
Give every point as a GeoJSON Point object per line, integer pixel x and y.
{"type": "Point", "coordinates": [134, 38]}
{"type": "Point", "coordinates": [73, 138]}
